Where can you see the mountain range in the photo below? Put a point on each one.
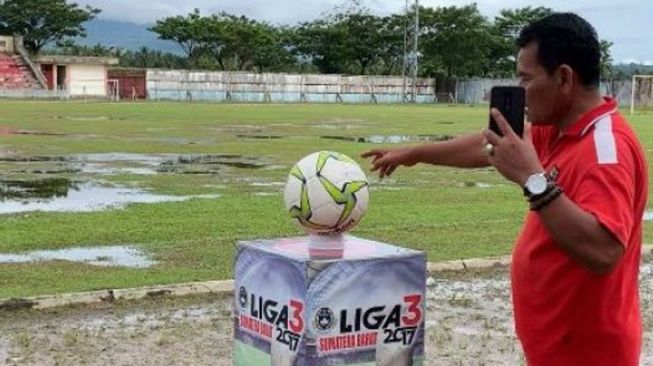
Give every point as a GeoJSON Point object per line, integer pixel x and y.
{"type": "Point", "coordinates": [130, 36]}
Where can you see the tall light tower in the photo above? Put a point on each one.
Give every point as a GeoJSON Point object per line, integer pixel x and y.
{"type": "Point", "coordinates": [410, 60]}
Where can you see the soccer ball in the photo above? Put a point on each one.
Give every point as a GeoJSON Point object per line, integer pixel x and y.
{"type": "Point", "coordinates": [326, 193]}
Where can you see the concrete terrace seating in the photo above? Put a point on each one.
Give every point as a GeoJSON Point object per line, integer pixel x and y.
{"type": "Point", "coordinates": [15, 74]}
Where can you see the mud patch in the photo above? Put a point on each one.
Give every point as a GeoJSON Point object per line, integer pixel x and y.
{"type": "Point", "coordinates": [468, 322]}
{"type": "Point", "coordinates": [114, 256]}
{"type": "Point", "coordinates": [36, 189]}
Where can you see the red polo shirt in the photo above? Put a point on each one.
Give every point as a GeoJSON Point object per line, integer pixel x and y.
{"type": "Point", "coordinates": [564, 314]}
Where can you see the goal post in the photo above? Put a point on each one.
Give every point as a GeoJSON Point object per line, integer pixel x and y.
{"type": "Point", "coordinates": [641, 92]}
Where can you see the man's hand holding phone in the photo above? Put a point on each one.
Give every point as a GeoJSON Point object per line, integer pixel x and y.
{"type": "Point", "coordinates": [514, 157]}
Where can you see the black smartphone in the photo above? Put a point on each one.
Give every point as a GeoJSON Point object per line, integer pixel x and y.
{"type": "Point", "coordinates": [510, 101]}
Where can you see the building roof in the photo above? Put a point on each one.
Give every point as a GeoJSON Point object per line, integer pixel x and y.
{"type": "Point", "coordinates": [78, 60]}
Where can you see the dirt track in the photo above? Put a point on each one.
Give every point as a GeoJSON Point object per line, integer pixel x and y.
{"type": "Point", "coordinates": [469, 322]}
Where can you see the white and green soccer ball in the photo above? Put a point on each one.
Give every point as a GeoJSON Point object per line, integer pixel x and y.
{"type": "Point", "coordinates": [326, 193]}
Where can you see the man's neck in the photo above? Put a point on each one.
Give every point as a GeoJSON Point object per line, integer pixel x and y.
{"type": "Point", "coordinates": [584, 102]}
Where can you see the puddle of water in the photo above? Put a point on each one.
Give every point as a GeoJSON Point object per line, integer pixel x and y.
{"type": "Point", "coordinates": [268, 184]}
{"type": "Point", "coordinates": [337, 127]}
{"type": "Point", "coordinates": [391, 139]}
{"type": "Point", "coordinates": [259, 137]}
{"type": "Point", "coordinates": [137, 171]}
{"type": "Point", "coordinates": [28, 159]}
{"type": "Point", "coordinates": [236, 161]}
{"type": "Point", "coordinates": [9, 131]}
{"type": "Point", "coordinates": [476, 184]}
{"type": "Point", "coordinates": [90, 118]}
{"type": "Point", "coordinates": [36, 133]}
{"type": "Point", "coordinates": [69, 196]}
{"type": "Point", "coordinates": [122, 256]}
{"type": "Point", "coordinates": [340, 123]}
{"type": "Point", "coordinates": [49, 171]}
{"type": "Point", "coordinates": [144, 159]}
{"type": "Point", "coordinates": [265, 194]}
{"type": "Point", "coordinates": [142, 164]}
{"type": "Point", "coordinates": [108, 170]}
{"type": "Point", "coordinates": [275, 167]}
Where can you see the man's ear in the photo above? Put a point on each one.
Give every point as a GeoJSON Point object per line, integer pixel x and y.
{"type": "Point", "coordinates": [565, 76]}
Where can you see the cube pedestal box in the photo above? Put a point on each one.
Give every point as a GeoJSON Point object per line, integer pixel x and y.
{"type": "Point", "coordinates": [301, 302]}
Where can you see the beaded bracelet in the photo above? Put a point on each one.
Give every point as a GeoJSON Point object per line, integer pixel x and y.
{"type": "Point", "coordinates": [544, 201]}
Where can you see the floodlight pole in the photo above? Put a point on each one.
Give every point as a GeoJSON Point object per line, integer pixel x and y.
{"type": "Point", "coordinates": [415, 48]}
{"type": "Point", "coordinates": [632, 95]}
{"type": "Point", "coordinates": [410, 59]}
{"type": "Point", "coordinates": [404, 64]}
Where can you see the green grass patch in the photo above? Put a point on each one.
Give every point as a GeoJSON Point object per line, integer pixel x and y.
{"type": "Point", "coordinates": [439, 210]}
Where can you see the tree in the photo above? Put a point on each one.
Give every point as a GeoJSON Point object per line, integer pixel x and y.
{"type": "Point", "coordinates": [506, 29]}
{"type": "Point", "coordinates": [271, 48]}
{"type": "Point", "coordinates": [183, 30]}
{"type": "Point", "coordinates": [213, 39]}
{"type": "Point", "coordinates": [351, 40]}
{"type": "Point", "coordinates": [250, 42]}
{"type": "Point", "coordinates": [42, 22]}
{"type": "Point", "coordinates": [392, 47]}
{"type": "Point", "coordinates": [364, 42]}
{"type": "Point", "coordinates": [454, 40]}
{"type": "Point", "coordinates": [225, 41]}
{"type": "Point", "coordinates": [511, 21]}
{"type": "Point", "coordinates": [606, 59]}
{"type": "Point", "coordinates": [323, 43]}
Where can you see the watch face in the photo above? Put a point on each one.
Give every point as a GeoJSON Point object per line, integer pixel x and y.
{"type": "Point", "coordinates": [536, 184]}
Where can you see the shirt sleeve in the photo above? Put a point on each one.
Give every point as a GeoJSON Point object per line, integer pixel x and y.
{"type": "Point", "coordinates": [607, 192]}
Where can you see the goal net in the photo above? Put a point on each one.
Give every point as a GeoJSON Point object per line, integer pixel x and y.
{"type": "Point", "coordinates": [642, 93]}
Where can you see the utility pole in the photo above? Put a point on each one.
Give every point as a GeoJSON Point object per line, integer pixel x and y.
{"type": "Point", "coordinates": [410, 59]}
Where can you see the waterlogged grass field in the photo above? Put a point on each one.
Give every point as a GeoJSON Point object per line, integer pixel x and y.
{"type": "Point", "coordinates": [238, 158]}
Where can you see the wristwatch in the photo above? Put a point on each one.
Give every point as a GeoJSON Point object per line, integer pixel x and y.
{"type": "Point", "coordinates": [536, 184]}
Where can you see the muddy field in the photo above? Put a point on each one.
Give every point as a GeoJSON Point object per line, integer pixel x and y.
{"type": "Point", "coordinates": [469, 322]}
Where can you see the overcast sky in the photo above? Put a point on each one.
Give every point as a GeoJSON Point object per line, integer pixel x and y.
{"type": "Point", "coordinates": [627, 23]}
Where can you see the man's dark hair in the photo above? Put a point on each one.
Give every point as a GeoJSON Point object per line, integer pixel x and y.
{"type": "Point", "coordinates": [565, 38]}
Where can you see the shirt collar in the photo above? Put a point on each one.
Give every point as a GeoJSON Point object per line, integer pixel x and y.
{"type": "Point", "coordinates": [586, 121]}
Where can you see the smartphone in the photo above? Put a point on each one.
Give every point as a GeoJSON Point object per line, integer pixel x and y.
{"type": "Point", "coordinates": [510, 101]}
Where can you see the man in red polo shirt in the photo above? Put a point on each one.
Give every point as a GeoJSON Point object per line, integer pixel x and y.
{"type": "Point", "coordinates": [576, 262]}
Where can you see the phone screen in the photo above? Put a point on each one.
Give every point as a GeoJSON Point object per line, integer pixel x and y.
{"type": "Point", "coordinates": [510, 101]}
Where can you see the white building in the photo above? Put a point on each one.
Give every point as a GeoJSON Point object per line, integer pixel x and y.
{"type": "Point", "coordinates": [78, 76]}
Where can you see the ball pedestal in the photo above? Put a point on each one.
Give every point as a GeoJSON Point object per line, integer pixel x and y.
{"type": "Point", "coordinates": [328, 300]}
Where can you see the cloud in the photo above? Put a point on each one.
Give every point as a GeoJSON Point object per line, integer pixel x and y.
{"type": "Point", "coordinates": [147, 12]}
